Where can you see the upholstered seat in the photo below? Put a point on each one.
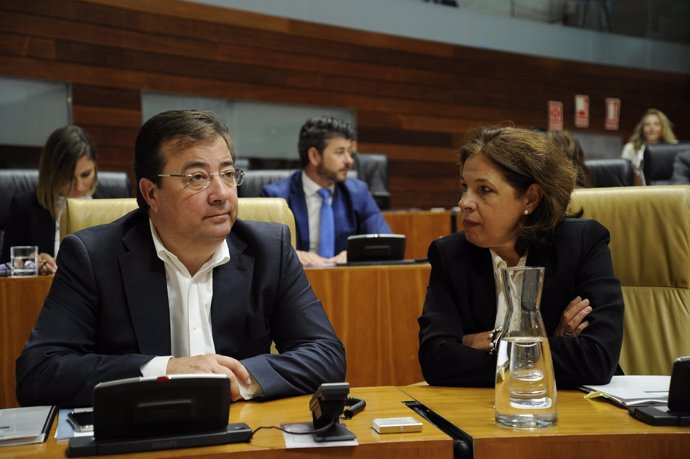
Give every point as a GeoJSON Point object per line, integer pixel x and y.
{"type": "Point", "coordinates": [650, 246]}
{"type": "Point", "coordinates": [82, 213]}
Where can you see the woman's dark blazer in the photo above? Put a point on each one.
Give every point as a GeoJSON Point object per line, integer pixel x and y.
{"type": "Point", "coordinates": [31, 224]}
{"type": "Point", "coordinates": [461, 299]}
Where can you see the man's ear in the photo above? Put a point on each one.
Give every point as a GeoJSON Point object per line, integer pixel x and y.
{"type": "Point", "coordinates": [534, 194]}
{"type": "Point", "coordinates": [149, 190]}
{"type": "Point", "coordinates": [314, 156]}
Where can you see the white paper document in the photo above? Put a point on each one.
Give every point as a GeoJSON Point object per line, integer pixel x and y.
{"type": "Point", "coordinates": [26, 425]}
{"type": "Point", "coordinates": [632, 390]}
{"type": "Point", "coordinates": [307, 441]}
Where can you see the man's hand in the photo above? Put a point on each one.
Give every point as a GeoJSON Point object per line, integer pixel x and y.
{"type": "Point", "coordinates": [340, 258]}
{"type": "Point", "coordinates": [573, 318]}
{"type": "Point", "coordinates": [216, 364]}
{"type": "Point", "coordinates": [312, 259]}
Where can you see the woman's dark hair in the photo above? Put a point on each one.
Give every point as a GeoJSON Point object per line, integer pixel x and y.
{"type": "Point", "coordinates": [526, 157]}
{"type": "Point", "coordinates": [569, 145]}
{"type": "Point", "coordinates": [177, 129]}
{"type": "Point", "coordinates": [317, 131]}
{"type": "Point", "coordinates": [64, 147]}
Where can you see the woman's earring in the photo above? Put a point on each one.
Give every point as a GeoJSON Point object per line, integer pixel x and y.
{"type": "Point", "coordinates": [526, 212]}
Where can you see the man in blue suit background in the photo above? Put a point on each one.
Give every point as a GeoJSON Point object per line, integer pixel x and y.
{"type": "Point", "coordinates": [326, 150]}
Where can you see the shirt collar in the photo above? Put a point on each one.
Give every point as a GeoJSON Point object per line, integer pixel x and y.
{"type": "Point", "coordinates": [310, 187]}
{"type": "Point", "coordinates": [499, 262]}
{"type": "Point", "coordinates": [219, 257]}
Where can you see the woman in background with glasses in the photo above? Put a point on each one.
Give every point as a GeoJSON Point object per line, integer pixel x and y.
{"type": "Point", "coordinates": [66, 169]}
{"type": "Point", "coordinates": [516, 187]}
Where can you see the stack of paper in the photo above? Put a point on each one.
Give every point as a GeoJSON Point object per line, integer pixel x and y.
{"type": "Point", "coordinates": [633, 390]}
{"type": "Point", "coordinates": [22, 426]}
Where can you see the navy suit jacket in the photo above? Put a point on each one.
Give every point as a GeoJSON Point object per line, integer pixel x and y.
{"type": "Point", "coordinates": [107, 314]}
{"type": "Point", "coordinates": [354, 209]}
{"type": "Point", "coordinates": [461, 299]}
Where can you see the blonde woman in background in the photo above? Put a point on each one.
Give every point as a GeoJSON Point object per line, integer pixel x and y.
{"type": "Point", "coordinates": [654, 127]}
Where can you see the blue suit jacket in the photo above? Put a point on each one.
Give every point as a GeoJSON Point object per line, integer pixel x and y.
{"type": "Point", "coordinates": [461, 299]}
{"type": "Point", "coordinates": [354, 209]}
{"type": "Point", "coordinates": [107, 314]}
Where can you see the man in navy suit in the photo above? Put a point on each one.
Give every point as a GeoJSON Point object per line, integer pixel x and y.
{"type": "Point", "coordinates": [169, 288]}
{"type": "Point", "coordinates": [326, 150]}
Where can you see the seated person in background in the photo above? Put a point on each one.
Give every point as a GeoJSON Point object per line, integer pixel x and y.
{"type": "Point", "coordinates": [66, 169]}
{"type": "Point", "coordinates": [169, 288]}
{"type": "Point", "coordinates": [654, 127]}
{"type": "Point", "coordinates": [515, 191]}
{"type": "Point", "coordinates": [568, 144]}
{"type": "Point", "coordinates": [326, 155]}
{"type": "Point", "coordinates": [681, 169]}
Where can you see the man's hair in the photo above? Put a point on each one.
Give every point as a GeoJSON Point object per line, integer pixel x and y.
{"type": "Point", "coordinates": [317, 131]}
{"type": "Point", "coordinates": [64, 147]}
{"type": "Point", "coordinates": [526, 157]}
{"type": "Point", "coordinates": [178, 129]}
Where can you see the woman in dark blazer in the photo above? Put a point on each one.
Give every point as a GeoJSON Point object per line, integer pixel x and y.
{"type": "Point", "coordinates": [66, 169]}
{"type": "Point", "coordinates": [516, 188]}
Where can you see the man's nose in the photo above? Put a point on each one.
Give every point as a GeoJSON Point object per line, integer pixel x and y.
{"type": "Point", "coordinates": [217, 189]}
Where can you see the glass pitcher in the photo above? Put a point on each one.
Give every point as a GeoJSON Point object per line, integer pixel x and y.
{"type": "Point", "coordinates": [525, 383]}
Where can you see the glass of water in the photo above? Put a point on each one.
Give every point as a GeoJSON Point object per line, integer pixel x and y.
{"type": "Point", "coordinates": [24, 260]}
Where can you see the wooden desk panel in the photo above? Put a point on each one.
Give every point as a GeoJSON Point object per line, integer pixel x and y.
{"type": "Point", "coordinates": [420, 228]}
{"type": "Point", "coordinates": [21, 300]}
{"type": "Point", "coordinates": [268, 443]}
{"type": "Point", "coordinates": [374, 311]}
{"type": "Point", "coordinates": [585, 429]}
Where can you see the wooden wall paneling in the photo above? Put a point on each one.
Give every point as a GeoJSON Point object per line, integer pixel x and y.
{"type": "Point", "coordinates": [414, 98]}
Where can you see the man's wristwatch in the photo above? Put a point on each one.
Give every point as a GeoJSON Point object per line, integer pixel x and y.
{"type": "Point", "coordinates": [496, 334]}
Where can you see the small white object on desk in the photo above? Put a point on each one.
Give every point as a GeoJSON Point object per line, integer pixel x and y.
{"type": "Point", "coordinates": [396, 425]}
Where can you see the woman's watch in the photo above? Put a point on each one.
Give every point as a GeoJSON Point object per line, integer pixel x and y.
{"type": "Point", "coordinates": [496, 334]}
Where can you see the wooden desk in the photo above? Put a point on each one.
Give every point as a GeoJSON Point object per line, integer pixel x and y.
{"type": "Point", "coordinates": [268, 444]}
{"type": "Point", "coordinates": [374, 311]}
{"type": "Point", "coordinates": [420, 228]}
{"type": "Point", "coordinates": [21, 299]}
{"type": "Point", "coordinates": [585, 429]}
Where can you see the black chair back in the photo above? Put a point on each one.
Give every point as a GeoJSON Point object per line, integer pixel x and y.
{"type": "Point", "coordinates": [372, 168]}
{"type": "Point", "coordinates": [611, 172]}
{"type": "Point", "coordinates": [658, 161]}
{"type": "Point", "coordinates": [254, 181]}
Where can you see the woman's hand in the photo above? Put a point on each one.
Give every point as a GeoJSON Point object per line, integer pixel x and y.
{"type": "Point", "coordinates": [46, 264]}
{"type": "Point", "coordinates": [481, 341]}
{"type": "Point", "coordinates": [573, 318]}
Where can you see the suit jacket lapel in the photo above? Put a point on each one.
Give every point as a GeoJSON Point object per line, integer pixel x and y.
{"type": "Point", "coordinates": [483, 287]}
{"type": "Point", "coordinates": [143, 276]}
{"type": "Point", "coordinates": [231, 297]}
{"type": "Point", "coordinates": [298, 204]}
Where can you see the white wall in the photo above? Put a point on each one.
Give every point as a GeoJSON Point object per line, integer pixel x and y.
{"type": "Point", "coordinates": [418, 19]}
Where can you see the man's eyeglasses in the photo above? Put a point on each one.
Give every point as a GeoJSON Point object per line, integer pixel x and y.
{"type": "Point", "coordinates": [199, 181]}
